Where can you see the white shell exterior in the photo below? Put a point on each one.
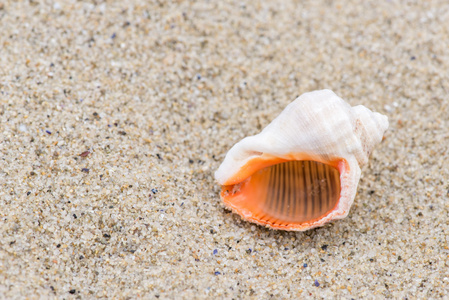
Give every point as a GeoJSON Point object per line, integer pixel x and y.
{"type": "Point", "coordinates": [321, 125]}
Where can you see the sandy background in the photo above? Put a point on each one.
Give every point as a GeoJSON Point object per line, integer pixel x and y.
{"type": "Point", "coordinates": [157, 92]}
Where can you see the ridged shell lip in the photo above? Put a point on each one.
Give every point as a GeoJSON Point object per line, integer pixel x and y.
{"type": "Point", "coordinates": [264, 161]}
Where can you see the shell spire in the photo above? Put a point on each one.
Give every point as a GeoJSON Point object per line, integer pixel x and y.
{"type": "Point", "coordinates": [369, 127]}
{"type": "Point", "coordinates": [302, 170]}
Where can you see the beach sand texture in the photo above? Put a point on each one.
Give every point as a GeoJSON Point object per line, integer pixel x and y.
{"type": "Point", "coordinates": [114, 117]}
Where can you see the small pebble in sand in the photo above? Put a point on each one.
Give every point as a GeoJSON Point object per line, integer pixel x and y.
{"type": "Point", "coordinates": [85, 153]}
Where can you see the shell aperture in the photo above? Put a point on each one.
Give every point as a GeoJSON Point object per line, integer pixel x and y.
{"type": "Point", "coordinates": [289, 192]}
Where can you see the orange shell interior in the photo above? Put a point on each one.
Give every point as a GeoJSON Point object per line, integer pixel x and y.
{"type": "Point", "coordinates": [287, 194]}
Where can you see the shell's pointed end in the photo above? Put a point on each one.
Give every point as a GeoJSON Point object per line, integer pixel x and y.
{"type": "Point", "coordinates": [382, 120]}
{"type": "Point", "coordinates": [293, 195]}
{"type": "Point", "coordinates": [370, 128]}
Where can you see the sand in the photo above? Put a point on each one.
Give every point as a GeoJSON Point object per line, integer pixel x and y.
{"type": "Point", "coordinates": [114, 117]}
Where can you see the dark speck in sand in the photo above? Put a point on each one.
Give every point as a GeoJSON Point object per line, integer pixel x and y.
{"type": "Point", "coordinates": [85, 153]}
{"type": "Point", "coordinates": [48, 131]}
{"type": "Point", "coordinates": [85, 170]}
{"type": "Point", "coordinates": [317, 284]}
{"type": "Point", "coordinates": [217, 273]}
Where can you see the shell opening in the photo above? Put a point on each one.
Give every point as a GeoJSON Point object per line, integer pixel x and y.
{"type": "Point", "coordinates": [286, 194]}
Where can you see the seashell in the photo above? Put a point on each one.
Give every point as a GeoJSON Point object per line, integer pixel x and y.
{"type": "Point", "coordinates": [302, 170]}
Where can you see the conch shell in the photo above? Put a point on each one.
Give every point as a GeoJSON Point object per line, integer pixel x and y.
{"type": "Point", "coordinates": [302, 170]}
